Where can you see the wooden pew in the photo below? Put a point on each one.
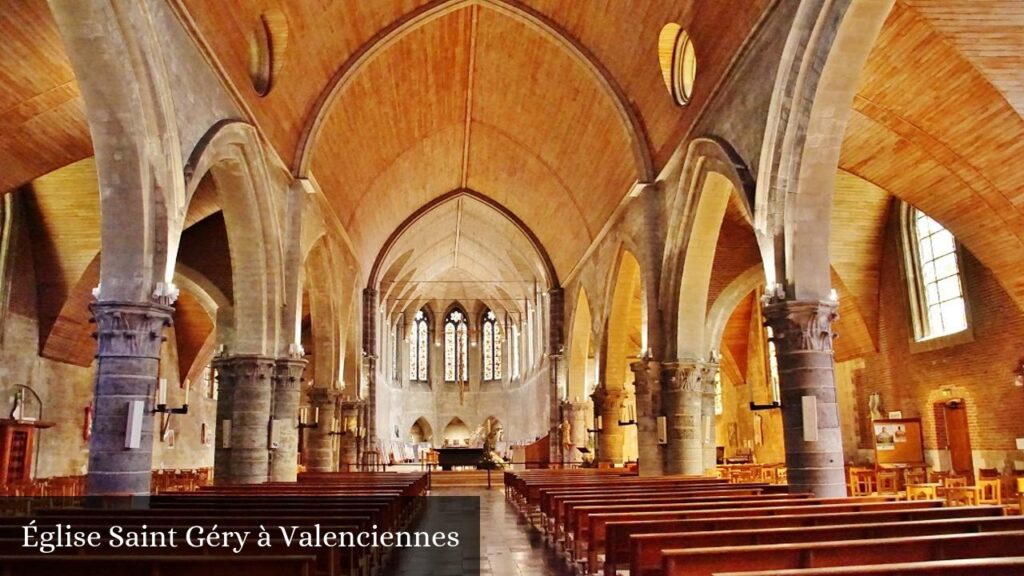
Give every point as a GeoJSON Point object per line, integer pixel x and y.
{"type": "Point", "coordinates": [163, 565]}
{"type": "Point", "coordinates": [638, 544]}
{"type": "Point", "coordinates": [580, 520]}
{"type": "Point", "coordinates": [1013, 566]}
{"type": "Point", "coordinates": [708, 561]}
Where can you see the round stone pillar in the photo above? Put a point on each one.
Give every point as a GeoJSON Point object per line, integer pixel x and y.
{"type": "Point", "coordinates": [128, 337]}
{"type": "Point", "coordinates": [708, 371]}
{"type": "Point", "coordinates": [244, 396]}
{"type": "Point", "coordinates": [284, 465]}
{"type": "Point", "coordinates": [349, 435]}
{"type": "Point", "coordinates": [682, 401]}
{"type": "Point", "coordinates": [608, 405]}
{"type": "Point", "coordinates": [647, 380]}
{"type": "Point", "coordinates": [802, 333]}
{"type": "Point", "coordinates": [320, 442]}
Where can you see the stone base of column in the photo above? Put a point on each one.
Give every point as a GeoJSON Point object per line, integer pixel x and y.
{"type": "Point", "coordinates": [607, 404]}
{"type": "Point", "coordinates": [284, 464]}
{"type": "Point", "coordinates": [320, 442]}
{"type": "Point", "coordinates": [245, 393]}
{"type": "Point", "coordinates": [128, 337]}
{"type": "Point", "coordinates": [682, 403]}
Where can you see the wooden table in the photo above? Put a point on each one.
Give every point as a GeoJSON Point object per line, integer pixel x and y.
{"type": "Point", "coordinates": [963, 495]}
{"type": "Point", "coordinates": [923, 491]}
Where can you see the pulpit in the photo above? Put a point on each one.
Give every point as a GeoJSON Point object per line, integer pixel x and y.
{"type": "Point", "coordinates": [17, 449]}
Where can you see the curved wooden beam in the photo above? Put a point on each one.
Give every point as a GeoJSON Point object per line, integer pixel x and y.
{"type": "Point", "coordinates": [549, 267]}
{"type": "Point", "coordinates": [394, 32]}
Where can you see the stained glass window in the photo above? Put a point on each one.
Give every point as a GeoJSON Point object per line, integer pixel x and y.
{"type": "Point", "coordinates": [936, 289]}
{"type": "Point", "coordinates": [394, 353]}
{"type": "Point", "coordinates": [456, 341]}
{"type": "Point", "coordinates": [418, 340]}
{"type": "Point", "coordinates": [491, 346]}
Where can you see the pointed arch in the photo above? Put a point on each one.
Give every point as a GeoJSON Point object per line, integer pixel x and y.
{"type": "Point", "coordinates": [579, 387]}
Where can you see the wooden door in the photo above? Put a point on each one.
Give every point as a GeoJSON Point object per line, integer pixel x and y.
{"type": "Point", "coordinates": [957, 437]}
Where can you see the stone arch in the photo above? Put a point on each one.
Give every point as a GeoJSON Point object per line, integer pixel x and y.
{"type": "Point", "coordinates": [713, 167]}
{"type": "Point", "coordinates": [232, 155]}
{"type": "Point", "coordinates": [578, 387]}
{"type": "Point", "coordinates": [727, 301]}
{"type": "Point", "coordinates": [535, 20]}
{"type": "Point", "coordinates": [324, 315]}
{"type": "Point", "coordinates": [115, 52]}
{"type": "Point", "coordinates": [421, 430]}
{"type": "Point", "coordinates": [456, 430]}
{"type": "Point", "coordinates": [826, 51]}
{"type": "Point", "coordinates": [624, 342]}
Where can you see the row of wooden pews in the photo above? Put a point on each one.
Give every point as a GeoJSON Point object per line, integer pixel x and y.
{"type": "Point", "coordinates": [345, 502]}
{"type": "Point", "coordinates": [613, 523]}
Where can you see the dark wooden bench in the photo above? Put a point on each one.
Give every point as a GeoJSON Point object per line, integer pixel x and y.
{"type": "Point", "coordinates": [163, 565]}
{"type": "Point", "coordinates": [629, 542]}
{"type": "Point", "coordinates": [1013, 566]}
{"type": "Point", "coordinates": [708, 561]}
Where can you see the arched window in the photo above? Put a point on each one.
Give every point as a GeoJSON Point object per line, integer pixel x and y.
{"type": "Point", "coordinates": [456, 342]}
{"type": "Point", "coordinates": [393, 342]}
{"type": "Point", "coordinates": [418, 349]}
{"type": "Point", "coordinates": [719, 404]}
{"type": "Point", "coordinates": [513, 334]}
{"type": "Point", "coordinates": [938, 307]}
{"type": "Point", "coordinates": [491, 346]}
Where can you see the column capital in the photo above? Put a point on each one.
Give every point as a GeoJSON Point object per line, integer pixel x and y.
{"type": "Point", "coordinates": [130, 329]}
{"type": "Point", "coordinates": [288, 372]}
{"type": "Point", "coordinates": [680, 376]}
{"type": "Point", "coordinates": [801, 325]}
{"type": "Point", "coordinates": [646, 375]}
{"type": "Point", "coordinates": [320, 396]}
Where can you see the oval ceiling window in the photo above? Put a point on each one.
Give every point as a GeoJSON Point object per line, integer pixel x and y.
{"type": "Point", "coordinates": [678, 62]}
{"type": "Point", "coordinates": [267, 45]}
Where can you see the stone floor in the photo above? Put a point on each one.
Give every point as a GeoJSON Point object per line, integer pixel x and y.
{"type": "Point", "coordinates": [509, 546]}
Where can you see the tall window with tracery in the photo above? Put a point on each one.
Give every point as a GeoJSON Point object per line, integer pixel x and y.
{"type": "Point", "coordinates": [491, 346]}
{"type": "Point", "coordinates": [418, 349]}
{"type": "Point", "coordinates": [456, 341]}
{"type": "Point", "coordinates": [394, 352]}
{"type": "Point", "coordinates": [513, 332]}
{"type": "Point", "coordinates": [938, 306]}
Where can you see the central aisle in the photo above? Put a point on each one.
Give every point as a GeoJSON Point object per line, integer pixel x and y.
{"type": "Point", "coordinates": [509, 546]}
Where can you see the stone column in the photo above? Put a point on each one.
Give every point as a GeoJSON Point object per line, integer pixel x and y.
{"type": "Point", "coordinates": [802, 333]}
{"type": "Point", "coordinates": [349, 428]}
{"type": "Point", "coordinates": [681, 398]}
{"type": "Point", "coordinates": [284, 465]}
{"type": "Point", "coordinates": [319, 440]}
{"type": "Point", "coordinates": [224, 372]}
{"type": "Point", "coordinates": [576, 414]}
{"type": "Point", "coordinates": [708, 370]}
{"type": "Point", "coordinates": [250, 417]}
{"type": "Point", "coordinates": [647, 379]}
{"type": "Point", "coordinates": [607, 405]}
{"type": "Point", "coordinates": [128, 337]}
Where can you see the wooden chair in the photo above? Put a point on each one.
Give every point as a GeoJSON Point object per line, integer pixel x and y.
{"type": "Point", "coordinates": [862, 481]}
{"type": "Point", "coordinates": [887, 482]}
{"type": "Point", "coordinates": [921, 491]}
{"type": "Point", "coordinates": [963, 495]}
{"type": "Point", "coordinates": [991, 491]}
{"type": "Point", "coordinates": [914, 476]}
{"type": "Point", "coordinates": [954, 481]}
{"type": "Point", "coordinates": [935, 476]}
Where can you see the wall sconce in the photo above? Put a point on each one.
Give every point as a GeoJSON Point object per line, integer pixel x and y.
{"type": "Point", "coordinates": [1018, 374]}
{"type": "Point", "coordinates": [161, 398]}
{"type": "Point", "coordinates": [627, 415]}
{"type": "Point", "coordinates": [598, 426]}
{"type": "Point", "coordinates": [304, 415]}
{"type": "Point", "coordinates": [336, 429]}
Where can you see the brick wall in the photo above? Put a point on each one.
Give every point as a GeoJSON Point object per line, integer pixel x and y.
{"type": "Point", "coordinates": [979, 370]}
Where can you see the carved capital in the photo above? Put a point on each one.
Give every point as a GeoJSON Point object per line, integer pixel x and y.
{"type": "Point", "coordinates": [646, 375]}
{"type": "Point", "coordinates": [322, 396]}
{"type": "Point", "coordinates": [801, 325]}
{"type": "Point", "coordinates": [681, 376]}
{"type": "Point", "coordinates": [707, 371]}
{"type": "Point", "coordinates": [131, 330]}
{"type": "Point", "coordinates": [288, 373]}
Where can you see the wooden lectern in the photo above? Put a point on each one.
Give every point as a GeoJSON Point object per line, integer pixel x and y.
{"type": "Point", "coordinates": [17, 445]}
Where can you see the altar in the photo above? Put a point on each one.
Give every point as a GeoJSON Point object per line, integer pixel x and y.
{"type": "Point", "coordinates": [449, 457]}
